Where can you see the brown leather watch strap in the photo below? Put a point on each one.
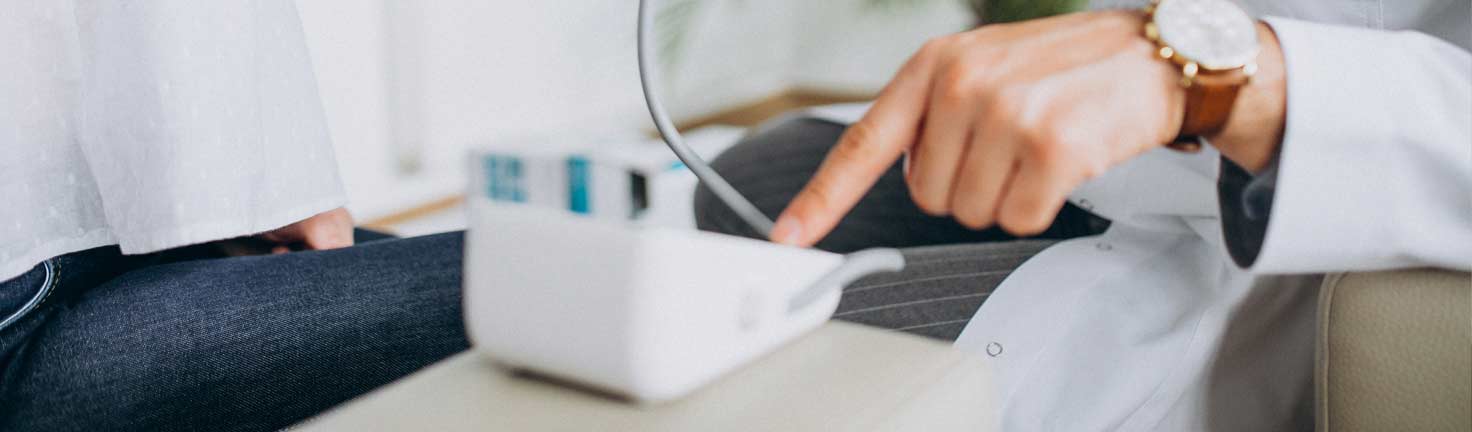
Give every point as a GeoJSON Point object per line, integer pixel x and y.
{"type": "Point", "coordinates": [1209, 102]}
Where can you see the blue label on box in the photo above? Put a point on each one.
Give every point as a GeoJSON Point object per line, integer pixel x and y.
{"type": "Point", "coordinates": [578, 188]}
{"type": "Point", "coordinates": [505, 179]}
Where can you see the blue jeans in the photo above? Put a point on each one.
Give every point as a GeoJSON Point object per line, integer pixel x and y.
{"type": "Point", "coordinates": [187, 340]}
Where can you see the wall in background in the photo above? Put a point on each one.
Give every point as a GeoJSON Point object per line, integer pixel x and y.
{"type": "Point", "coordinates": [346, 39]}
{"type": "Point", "coordinates": [409, 86]}
{"type": "Point", "coordinates": [847, 47]}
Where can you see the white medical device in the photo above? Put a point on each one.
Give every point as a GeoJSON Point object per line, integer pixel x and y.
{"type": "Point", "coordinates": [649, 313]}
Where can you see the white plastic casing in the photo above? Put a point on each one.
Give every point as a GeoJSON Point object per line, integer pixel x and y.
{"type": "Point", "coordinates": [649, 313]}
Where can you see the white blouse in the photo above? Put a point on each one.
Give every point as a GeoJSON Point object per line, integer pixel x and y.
{"type": "Point", "coordinates": [156, 124]}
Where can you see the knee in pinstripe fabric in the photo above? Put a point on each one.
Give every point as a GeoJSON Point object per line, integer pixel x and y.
{"type": "Point", "coordinates": [939, 290]}
{"type": "Point", "coordinates": [942, 287]}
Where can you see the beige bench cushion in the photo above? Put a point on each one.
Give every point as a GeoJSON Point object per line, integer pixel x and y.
{"type": "Point", "coordinates": [1395, 352]}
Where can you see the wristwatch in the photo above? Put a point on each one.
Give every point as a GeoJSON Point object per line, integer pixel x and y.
{"type": "Point", "coordinates": [1215, 44]}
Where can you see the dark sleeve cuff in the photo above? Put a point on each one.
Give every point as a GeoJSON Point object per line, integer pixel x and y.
{"type": "Point", "coordinates": [1246, 201]}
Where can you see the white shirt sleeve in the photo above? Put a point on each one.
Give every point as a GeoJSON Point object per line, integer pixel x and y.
{"type": "Point", "coordinates": [1375, 169]}
{"type": "Point", "coordinates": [201, 120]}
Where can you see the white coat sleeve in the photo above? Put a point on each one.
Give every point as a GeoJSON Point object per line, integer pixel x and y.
{"type": "Point", "coordinates": [201, 120]}
{"type": "Point", "coordinates": [1375, 168]}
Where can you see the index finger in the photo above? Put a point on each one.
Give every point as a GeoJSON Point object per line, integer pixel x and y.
{"type": "Point", "coordinates": [867, 149]}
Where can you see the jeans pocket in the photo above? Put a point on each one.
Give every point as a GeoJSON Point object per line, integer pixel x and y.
{"type": "Point", "coordinates": [15, 304]}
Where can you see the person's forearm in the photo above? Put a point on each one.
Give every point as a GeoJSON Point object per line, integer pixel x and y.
{"type": "Point", "coordinates": [998, 135]}
{"type": "Point", "coordinates": [1255, 130]}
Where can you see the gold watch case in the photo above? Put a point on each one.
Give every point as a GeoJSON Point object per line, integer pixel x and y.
{"type": "Point", "coordinates": [1190, 68]}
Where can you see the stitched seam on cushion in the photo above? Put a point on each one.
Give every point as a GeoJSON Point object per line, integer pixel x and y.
{"type": "Point", "coordinates": [1321, 352]}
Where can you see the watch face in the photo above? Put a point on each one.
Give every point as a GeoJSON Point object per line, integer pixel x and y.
{"type": "Point", "coordinates": [1216, 34]}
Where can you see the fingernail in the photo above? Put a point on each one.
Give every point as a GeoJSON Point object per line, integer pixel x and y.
{"type": "Point", "coordinates": [787, 231]}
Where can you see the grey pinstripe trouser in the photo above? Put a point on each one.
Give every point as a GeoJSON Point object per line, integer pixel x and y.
{"type": "Point", "coordinates": [951, 269]}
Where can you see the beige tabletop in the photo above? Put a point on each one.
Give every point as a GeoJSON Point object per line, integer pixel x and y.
{"type": "Point", "coordinates": [840, 377]}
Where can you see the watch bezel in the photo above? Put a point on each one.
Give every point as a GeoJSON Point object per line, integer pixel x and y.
{"type": "Point", "coordinates": [1246, 62]}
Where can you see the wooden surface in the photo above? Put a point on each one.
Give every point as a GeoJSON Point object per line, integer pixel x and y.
{"type": "Point", "coordinates": [840, 377]}
{"type": "Point", "coordinates": [757, 112]}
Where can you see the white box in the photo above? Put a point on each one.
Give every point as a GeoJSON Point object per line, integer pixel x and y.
{"type": "Point", "coordinates": [648, 312]}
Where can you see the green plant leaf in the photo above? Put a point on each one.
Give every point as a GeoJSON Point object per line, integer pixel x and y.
{"type": "Point", "coordinates": [674, 19]}
{"type": "Point", "coordinates": [1001, 11]}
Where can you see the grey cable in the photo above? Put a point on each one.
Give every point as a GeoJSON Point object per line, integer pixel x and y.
{"type": "Point", "coordinates": [855, 265]}
{"type": "Point", "coordinates": [712, 180]}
